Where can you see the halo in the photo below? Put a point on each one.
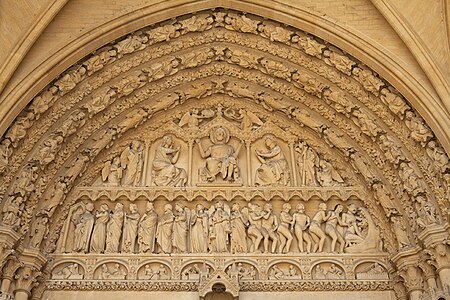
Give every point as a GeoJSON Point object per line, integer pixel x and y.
{"type": "Point", "coordinates": [212, 135]}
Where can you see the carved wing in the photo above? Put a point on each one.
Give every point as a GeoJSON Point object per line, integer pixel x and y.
{"type": "Point", "coordinates": [254, 118]}
{"type": "Point", "coordinates": [184, 119]}
{"type": "Point", "coordinates": [226, 208]}
{"type": "Point", "coordinates": [106, 170]}
{"type": "Point", "coordinates": [336, 176]}
{"type": "Point", "coordinates": [211, 210]}
{"type": "Point", "coordinates": [124, 158]}
{"type": "Point", "coordinates": [231, 114]}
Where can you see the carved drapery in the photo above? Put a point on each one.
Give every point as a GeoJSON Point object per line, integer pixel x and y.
{"type": "Point", "coordinates": [333, 113]}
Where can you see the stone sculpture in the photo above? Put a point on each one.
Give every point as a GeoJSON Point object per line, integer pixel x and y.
{"type": "Point", "coordinates": [147, 230]}
{"type": "Point", "coordinates": [98, 240]}
{"type": "Point", "coordinates": [199, 230]}
{"type": "Point", "coordinates": [274, 168]}
{"type": "Point", "coordinates": [283, 229]}
{"type": "Point", "coordinates": [180, 229]}
{"type": "Point", "coordinates": [300, 223]}
{"type": "Point", "coordinates": [114, 229]}
{"type": "Point", "coordinates": [131, 160]}
{"type": "Point", "coordinates": [83, 229]}
{"type": "Point", "coordinates": [71, 271]}
{"type": "Point", "coordinates": [165, 229]}
{"type": "Point", "coordinates": [221, 158]}
{"type": "Point", "coordinates": [165, 173]}
{"type": "Point", "coordinates": [315, 228]}
{"type": "Point", "coordinates": [130, 227]}
{"type": "Point", "coordinates": [220, 227]}
{"type": "Point", "coordinates": [308, 162]}
{"type": "Point", "coordinates": [38, 231]}
{"type": "Point", "coordinates": [238, 235]}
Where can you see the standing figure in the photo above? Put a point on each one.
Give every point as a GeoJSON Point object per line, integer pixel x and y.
{"type": "Point", "coordinates": [331, 228]}
{"type": "Point", "coordinates": [349, 219]}
{"type": "Point", "coordinates": [284, 233]}
{"type": "Point", "coordinates": [274, 169]}
{"type": "Point", "coordinates": [307, 161]}
{"type": "Point", "coordinates": [301, 222]}
{"type": "Point", "coordinates": [238, 234]}
{"type": "Point", "coordinates": [255, 228]}
{"type": "Point", "coordinates": [130, 227]}
{"type": "Point", "coordinates": [165, 173]}
{"type": "Point", "coordinates": [164, 230]}
{"type": "Point", "coordinates": [114, 229]}
{"type": "Point", "coordinates": [131, 159]}
{"type": "Point", "coordinates": [401, 233]}
{"type": "Point", "coordinates": [269, 228]}
{"type": "Point", "coordinates": [98, 240]}
{"type": "Point", "coordinates": [112, 172]}
{"type": "Point", "coordinates": [83, 229]}
{"type": "Point", "coordinates": [220, 223]}
{"type": "Point", "coordinates": [221, 158]}
{"type": "Point", "coordinates": [315, 228]}
{"type": "Point", "coordinates": [147, 230]}
{"type": "Point", "coordinates": [199, 230]}
{"type": "Point", "coordinates": [38, 231]}
{"type": "Point", "coordinates": [180, 229]}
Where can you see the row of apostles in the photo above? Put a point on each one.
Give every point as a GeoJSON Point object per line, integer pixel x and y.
{"type": "Point", "coordinates": [218, 229]}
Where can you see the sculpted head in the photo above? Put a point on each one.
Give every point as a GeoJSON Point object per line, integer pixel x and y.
{"type": "Point", "coordinates": [167, 207]}
{"type": "Point", "coordinates": [219, 204]}
{"type": "Point", "coordinates": [286, 207]}
{"type": "Point", "coordinates": [133, 208]}
{"type": "Point", "coordinates": [119, 206]}
{"type": "Point", "coordinates": [269, 141]}
{"type": "Point", "coordinates": [104, 207]}
{"type": "Point", "coordinates": [89, 206]}
{"type": "Point", "coordinates": [150, 206]}
{"type": "Point", "coordinates": [338, 208]}
{"type": "Point", "coordinates": [300, 208]}
{"type": "Point", "coordinates": [135, 145]}
{"type": "Point", "coordinates": [352, 208]}
{"type": "Point", "coordinates": [200, 207]}
{"type": "Point", "coordinates": [219, 135]}
{"type": "Point", "coordinates": [167, 140]}
{"type": "Point", "coordinates": [322, 206]}
{"type": "Point", "coordinates": [179, 207]}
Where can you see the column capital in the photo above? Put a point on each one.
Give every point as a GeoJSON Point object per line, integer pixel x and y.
{"type": "Point", "coordinates": [26, 278]}
{"type": "Point", "coordinates": [11, 266]}
{"type": "Point", "coordinates": [8, 238]}
{"type": "Point", "coordinates": [440, 254]}
{"type": "Point", "coordinates": [413, 278]}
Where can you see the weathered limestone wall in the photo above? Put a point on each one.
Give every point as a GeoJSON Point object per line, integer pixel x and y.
{"type": "Point", "coordinates": [115, 295]}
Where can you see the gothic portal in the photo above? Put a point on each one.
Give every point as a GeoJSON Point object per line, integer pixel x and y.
{"type": "Point", "coordinates": [222, 155]}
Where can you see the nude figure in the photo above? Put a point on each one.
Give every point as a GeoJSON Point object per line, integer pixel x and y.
{"type": "Point", "coordinates": [300, 223]}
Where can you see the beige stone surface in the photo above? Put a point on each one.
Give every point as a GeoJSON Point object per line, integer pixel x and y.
{"type": "Point", "coordinates": [211, 147]}
{"type": "Point", "coordinates": [358, 17]}
{"type": "Point", "coordinates": [68, 295]}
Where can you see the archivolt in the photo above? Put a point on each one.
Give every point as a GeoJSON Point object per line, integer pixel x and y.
{"type": "Point", "coordinates": [175, 65]}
